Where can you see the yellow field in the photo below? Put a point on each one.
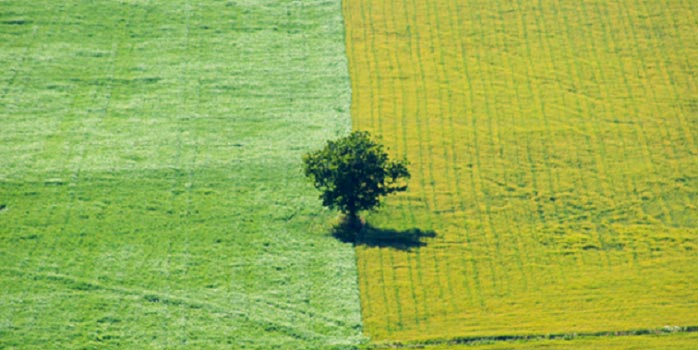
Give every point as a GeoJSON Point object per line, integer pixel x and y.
{"type": "Point", "coordinates": [554, 150]}
{"type": "Point", "coordinates": [686, 341]}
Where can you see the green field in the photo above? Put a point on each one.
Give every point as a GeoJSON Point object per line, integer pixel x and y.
{"type": "Point", "coordinates": [150, 182]}
{"type": "Point", "coordinates": [554, 150]}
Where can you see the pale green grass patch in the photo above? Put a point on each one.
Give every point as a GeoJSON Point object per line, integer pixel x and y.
{"type": "Point", "coordinates": [151, 179]}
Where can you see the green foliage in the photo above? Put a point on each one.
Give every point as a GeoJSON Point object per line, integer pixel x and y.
{"type": "Point", "coordinates": [354, 172]}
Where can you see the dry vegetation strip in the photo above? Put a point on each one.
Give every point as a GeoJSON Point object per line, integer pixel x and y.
{"type": "Point", "coordinates": [553, 148]}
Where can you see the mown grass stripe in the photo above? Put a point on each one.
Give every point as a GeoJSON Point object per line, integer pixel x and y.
{"type": "Point", "coordinates": [71, 197]}
{"type": "Point", "coordinates": [191, 88]}
{"type": "Point", "coordinates": [10, 107]}
{"type": "Point", "coordinates": [14, 69]}
{"type": "Point", "coordinates": [177, 165]}
{"type": "Point", "coordinates": [102, 99]}
{"type": "Point", "coordinates": [20, 59]}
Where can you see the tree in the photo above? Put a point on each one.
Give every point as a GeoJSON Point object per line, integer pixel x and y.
{"type": "Point", "coordinates": [353, 173]}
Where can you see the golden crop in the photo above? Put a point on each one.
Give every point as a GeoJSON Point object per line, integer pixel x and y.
{"type": "Point", "coordinates": [554, 150]}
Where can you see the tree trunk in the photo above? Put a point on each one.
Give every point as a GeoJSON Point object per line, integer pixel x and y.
{"type": "Point", "coordinates": [354, 222]}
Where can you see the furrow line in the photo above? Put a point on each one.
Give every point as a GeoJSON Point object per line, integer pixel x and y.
{"type": "Point", "coordinates": [399, 117]}
{"type": "Point", "coordinates": [574, 70]}
{"type": "Point", "coordinates": [470, 96]}
{"type": "Point", "coordinates": [421, 96]}
{"type": "Point", "coordinates": [440, 76]}
{"type": "Point", "coordinates": [641, 131]}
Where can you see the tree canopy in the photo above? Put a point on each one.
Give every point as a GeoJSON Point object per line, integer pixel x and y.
{"type": "Point", "coordinates": [354, 172]}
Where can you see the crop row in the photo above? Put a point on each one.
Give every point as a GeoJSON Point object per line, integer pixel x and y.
{"type": "Point", "coordinates": [553, 153]}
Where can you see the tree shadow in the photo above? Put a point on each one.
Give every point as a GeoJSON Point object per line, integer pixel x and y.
{"type": "Point", "coordinates": [370, 236]}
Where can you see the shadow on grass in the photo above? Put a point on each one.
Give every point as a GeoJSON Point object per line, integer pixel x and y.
{"type": "Point", "coordinates": [370, 236]}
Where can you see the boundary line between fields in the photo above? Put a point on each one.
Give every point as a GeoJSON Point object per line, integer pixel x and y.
{"type": "Point", "coordinates": [511, 338]}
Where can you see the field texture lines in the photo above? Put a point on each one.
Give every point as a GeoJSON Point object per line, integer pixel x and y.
{"type": "Point", "coordinates": [674, 341]}
{"type": "Point", "coordinates": [151, 195]}
{"type": "Point", "coordinates": [554, 150]}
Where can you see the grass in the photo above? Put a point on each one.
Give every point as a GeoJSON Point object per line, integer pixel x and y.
{"type": "Point", "coordinates": [150, 186]}
{"type": "Point", "coordinates": [553, 148]}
